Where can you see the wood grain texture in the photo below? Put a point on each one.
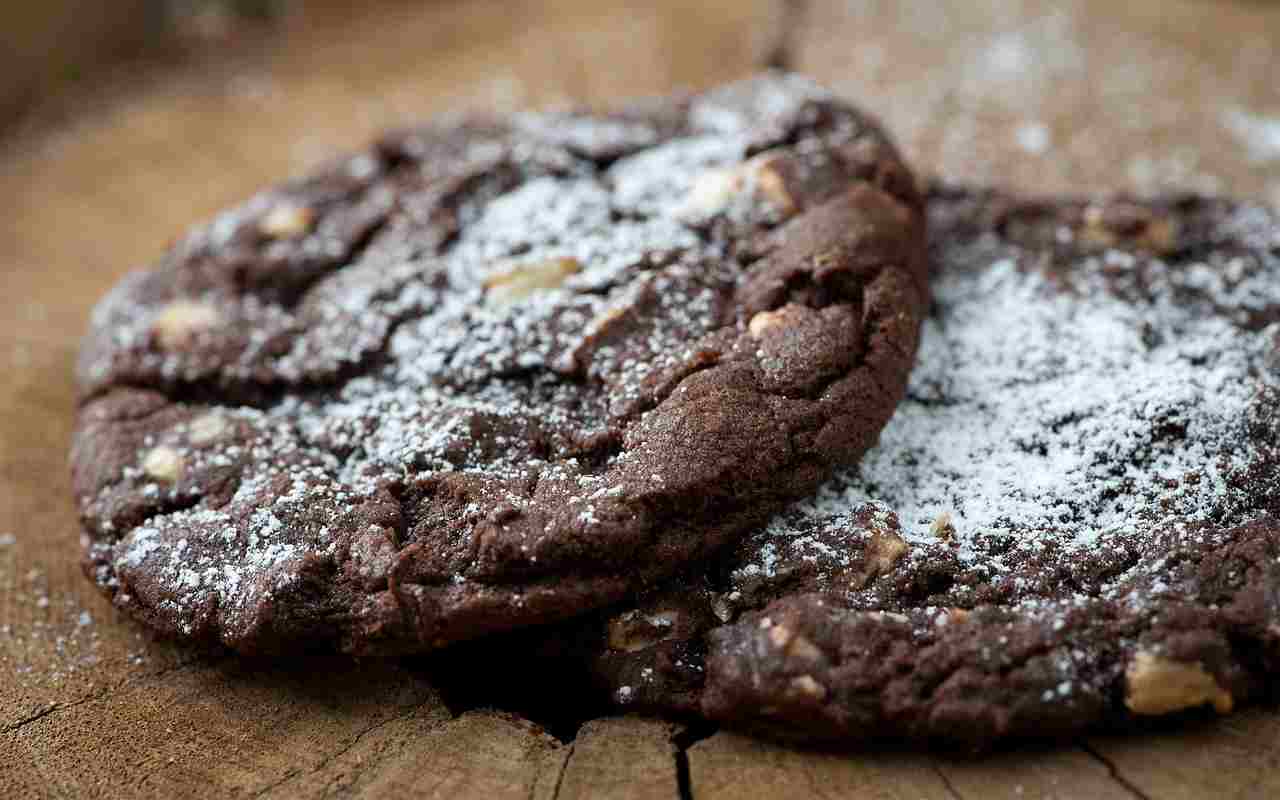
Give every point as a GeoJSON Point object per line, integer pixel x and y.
{"type": "Point", "coordinates": [229, 728]}
{"type": "Point", "coordinates": [1059, 773]}
{"type": "Point", "coordinates": [730, 765]}
{"type": "Point", "coordinates": [90, 707]}
{"type": "Point", "coordinates": [1237, 758]}
{"type": "Point", "coordinates": [479, 754]}
{"type": "Point", "coordinates": [622, 757]}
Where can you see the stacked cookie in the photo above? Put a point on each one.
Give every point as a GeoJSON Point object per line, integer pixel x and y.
{"type": "Point", "coordinates": [618, 390]}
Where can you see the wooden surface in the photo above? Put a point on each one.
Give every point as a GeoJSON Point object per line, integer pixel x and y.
{"type": "Point", "coordinates": [53, 42]}
{"type": "Point", "coordinates": [1091, 94]}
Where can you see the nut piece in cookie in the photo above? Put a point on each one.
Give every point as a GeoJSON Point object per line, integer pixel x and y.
{"type": "Point", "coordinates": [770, 182]}
{"type": "Point", "coordinates": [758, 178]}
{"type": "Point", "coordinates": [180, 322]}
{"type": "Point", "coordinates": [943, 527]}
{"type": "Point", "coordinates": [884, 550]}
{"type": "Point", "coordinates": [522, 280]}
{"type": "Point", "coordinates": [287, 221]}
{"type": "Point", "coordinates": [1158, 685]}
{"type": "Point", "coordinates": [634, 630]}
{"type": "Point", "coordinates": [163, 463]}
{"type": "Point", "coordinates": [808, 686]}
{"type": "Point", "coordinates": [765, 321]}
{"type": "Point", "coordinates": [793, 645]}
{"type": "Point", "coordinates": [1109, 225]}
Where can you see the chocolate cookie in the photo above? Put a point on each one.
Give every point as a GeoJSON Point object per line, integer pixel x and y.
{"type": "Point", "coordinates": [1072, 521]}
{"type": "Point", "coordinates": [493, 373]}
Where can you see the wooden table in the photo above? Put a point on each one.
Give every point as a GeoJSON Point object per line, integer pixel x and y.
{"type": "Point", "coordinates": [1043, 96]}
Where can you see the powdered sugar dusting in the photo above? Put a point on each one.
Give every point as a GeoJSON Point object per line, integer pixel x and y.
{"type": "Point", "coordinates": [1061, 416]}
{"type": "Point", "coordinates": [1067, 416]}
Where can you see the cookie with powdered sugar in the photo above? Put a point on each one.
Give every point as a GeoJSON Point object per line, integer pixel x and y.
{"type": "Point", "coordinates": [496, 372]}
{"type": "Point", "coordinates": [1072, 521]}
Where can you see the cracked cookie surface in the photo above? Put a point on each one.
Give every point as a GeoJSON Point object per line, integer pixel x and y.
{"type": "Point", "coordinates": [492, 373]}
{"type": "Point", "coordinates": [1072, 521]}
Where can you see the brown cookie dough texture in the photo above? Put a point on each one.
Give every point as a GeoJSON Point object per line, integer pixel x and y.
{"type": "Point", "coordinates": [1072, 522]}
{"type": "Point", "coordinates": [497, 372]}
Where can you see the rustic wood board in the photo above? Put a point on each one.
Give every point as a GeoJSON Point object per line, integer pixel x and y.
{"type": "Point", "coordinates": [1038, 95]}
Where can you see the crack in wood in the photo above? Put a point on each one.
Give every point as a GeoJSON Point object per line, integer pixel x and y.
{"type": "Point", "coordinates": [564, 767]}
{"type": "Point", "coordinates": [950, 788]}
{"type": "Point", "coordinates": [331, 757]}
{"type": "Point", "coordinates": [682, 740]}
{"type": "Point", "coordinates": [289, 775]}
{"type": "Point", "coordinates": [105, 692]}
{"type": "Point", "coordinates": [684, 785]}
{"type": "Point", "coordinates": [39, 715]}
{"type": "Point", "coordinates": [1114, 772]}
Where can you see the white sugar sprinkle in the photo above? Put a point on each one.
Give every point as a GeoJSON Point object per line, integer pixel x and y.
{"type": "Point", "coordinates": [1065, 415]}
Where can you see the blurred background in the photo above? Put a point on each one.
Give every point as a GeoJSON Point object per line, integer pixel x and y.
{"type": "Point", "coordinates": [1080, 94]}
